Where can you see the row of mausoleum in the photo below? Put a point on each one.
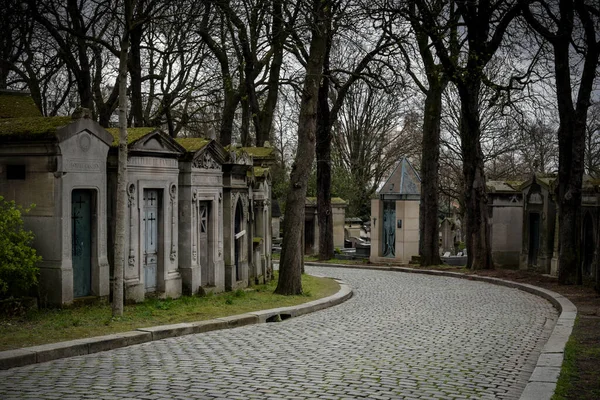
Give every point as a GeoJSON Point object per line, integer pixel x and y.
{"type": "Point", "coordinates": [198, 215]}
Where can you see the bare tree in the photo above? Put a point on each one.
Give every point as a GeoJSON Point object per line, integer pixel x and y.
{"type": "Point", "coordinates": [290, 266]}
{"type": "Point", "coordinates": [571, 27]}
{"type": "Point", "coordinates": [121, 209]}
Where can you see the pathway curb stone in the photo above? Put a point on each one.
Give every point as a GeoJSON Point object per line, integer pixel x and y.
{"type": "Point", "coordinates": [542, 383]}
{"type": "Point", "coordinates": [78, 347]}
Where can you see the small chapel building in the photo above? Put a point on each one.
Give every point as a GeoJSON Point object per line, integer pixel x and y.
{"type": "Point", "coordinates": [198, 217]}
{"type": "Point", "coordinates": [58, 164]}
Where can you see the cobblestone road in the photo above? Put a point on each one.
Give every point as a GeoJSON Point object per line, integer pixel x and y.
{"type": "Point", "coordinates": [401, 336]}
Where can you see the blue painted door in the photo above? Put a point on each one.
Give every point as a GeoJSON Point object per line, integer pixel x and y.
{"type": "Point", "coordinates": [389, 229]}
{"type": "Point", "coordinates": [150, 221]}
{"type": "Point", "coordinates": [203, 237]}
{"type": "Point", "coordinates": [81, 242]}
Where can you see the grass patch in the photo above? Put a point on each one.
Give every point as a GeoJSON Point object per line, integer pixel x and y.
{"type": "Point", "coordinates": [55, 325]}
{"type": "Point", "coordinates": [568, 373]}
{"type": "Point", "coordinates": [336, 261]}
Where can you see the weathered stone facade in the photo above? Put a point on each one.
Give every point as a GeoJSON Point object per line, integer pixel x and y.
{"type": "Point", "coordinates": [201, 261]}
{"type": "Point", "coordinates": [311, 224]}
{"type": "Point", "coordinates": [59, 165]}
{"type": "Point", "coordinates": [152, 216]}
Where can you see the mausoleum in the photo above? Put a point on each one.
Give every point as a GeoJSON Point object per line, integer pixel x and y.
{"type": "Point", "coordinates": [395, 216]}
{"type": "Point", "coordinates": [152, 262]}
{"type": "Point", "coordinates": [59, 165]}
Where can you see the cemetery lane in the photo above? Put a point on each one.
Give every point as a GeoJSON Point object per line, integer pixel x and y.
{"type": "Point", "coordinates": [402, 335]}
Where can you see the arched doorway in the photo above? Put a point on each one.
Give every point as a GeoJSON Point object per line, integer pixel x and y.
{"type": "Point", "coordinates": [239, 234]}
{"type": "Point", "coordinates": [588, 245]}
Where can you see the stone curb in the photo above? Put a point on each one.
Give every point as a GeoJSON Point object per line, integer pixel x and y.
{"type": "Point", "coordinates": [78, 347]}
{"type": "Point", "coordinates": [542, 383]}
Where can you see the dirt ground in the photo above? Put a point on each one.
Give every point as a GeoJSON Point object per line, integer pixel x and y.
{"type": "Point", "coordinates": [586, 382]}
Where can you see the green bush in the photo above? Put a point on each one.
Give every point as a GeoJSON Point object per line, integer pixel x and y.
{"type": "Point", "coordinates": [18, 261]}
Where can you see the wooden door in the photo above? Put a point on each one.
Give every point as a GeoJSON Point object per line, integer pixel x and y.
{"type": "Point", "coordinates": [81, 242]}
{"type": "Point", "coordinates": [150, 221]}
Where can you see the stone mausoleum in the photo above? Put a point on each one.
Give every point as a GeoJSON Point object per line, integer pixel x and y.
{"type": "Point", "coordinates": [395, 216]}
{"type": "Point", "coordinates": [198, 215]}
{"type": "Point", "coordinates": [58, 164]}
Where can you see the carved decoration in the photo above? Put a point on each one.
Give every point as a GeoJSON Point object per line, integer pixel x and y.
{"type": "Point", "coordinates": [131, 203]}
{"type": "Point", "coordinates": [173, 195]}
{"type": "Point", "coordinates": [206, 161]}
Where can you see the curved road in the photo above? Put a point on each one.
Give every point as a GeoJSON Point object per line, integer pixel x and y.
{"type": "Point", "coordinates": [401, 336]}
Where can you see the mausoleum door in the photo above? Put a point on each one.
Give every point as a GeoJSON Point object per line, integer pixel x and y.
{"type": "Point", "coordinates": [389, 229]}
{"type": "Point", "coordinates": [203, 218]}
{"type": "Point", "coordinates": [588, 245]}
{"type": "Point", "coordinates": [239, 234]}
{"type": "Point", "coordinates": [150, 221]}
{"type": "Point", "coordinates": [81, 242]}
{"type": "Point", "coordinates": [534, 237]}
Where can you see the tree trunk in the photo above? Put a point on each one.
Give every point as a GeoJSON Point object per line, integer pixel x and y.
{"type": "Point", "coordinates": [231, 102]}
{"type": "Point", "coordinates": [323, 153]}
{"type": "Point", "coordinates": [135, 72]}
{"type": "Point", "coordinates": [479, 255]}
{"type": "Point", "coordinates": [120, 240]}
{"type": "Point", "coordinates": [290, 265]}
{"type": "Point", "coordinates": [428, 208]}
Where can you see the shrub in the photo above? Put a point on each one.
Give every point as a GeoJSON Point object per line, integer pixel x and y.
{"type": "Point", "coordinates": [18, 261]}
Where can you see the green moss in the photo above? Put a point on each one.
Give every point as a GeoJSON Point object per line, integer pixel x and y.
{"type": "Point", "coordinates": [257, 240]}
{"type": "Point", "coordinates": [35, 128]}
{"type": "Point", "coordinates": [193, 144]}
{"type": "Point", "coordinates": [260, 152]}
{"type": "Point", "coordinates": [18, 106]}
{"type": "Point", "coordinates": [133, 134]}
{"type": "Point", "coordinates": [259, 171]}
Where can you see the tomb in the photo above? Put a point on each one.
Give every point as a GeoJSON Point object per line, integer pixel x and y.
{"type": "Point", "coordinates": [237, 227]}
{"type": "Point", "coordinates": [201, 261]}
{"type": "Point", "coordinates": [151, 255]}
{"type": "Point", "coordinates": [260, 179]}
{"type": "Point", "coordinates": [311, 224]}
{"type": "Point", "coordinates": [505, 204]}
{"type": "Point", "coordinates": [539, 214]}
{"type": "Point", "coordinates": [395, 216]}
{"type": "Point", "coordinates": [59, 164]}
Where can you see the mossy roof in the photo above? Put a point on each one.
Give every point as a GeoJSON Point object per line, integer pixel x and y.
{"type": "Point", "coordinates": [192, 145]}
{"type": "Point", "coordinates": [337, 201]}
{"type": "Point", "coordinates": [260, 152]}
{"type": "Point", "coordinates": [133, 134]}
{"type": "Point", "coordinates": [503, 186]}
{"type": "Point", "coordinates": [17, 105]}
{"type": "Point", "coordinates": [259, 171]}
{"type": "Point", "coordinates": [34, 128]}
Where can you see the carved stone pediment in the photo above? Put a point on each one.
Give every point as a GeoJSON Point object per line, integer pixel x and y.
{"type": "Point", "coordinates": [206, 161]}
{"type": "Point", "coordinates": [156, 142]}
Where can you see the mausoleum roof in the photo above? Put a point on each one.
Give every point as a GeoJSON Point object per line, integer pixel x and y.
{"type": "Point", "coordinates": [15, 104]}
{"type": "Point", "coordinates": [403, 183]}
{"type": "Point", "coordinates": [193, 144]}
{"type": "Point", "coordinates": [133, 134]}
{"type": "Point", "coordinates": [31, 128]}
{"type": "Point", "coordinates": [260, 171]}
{"type": "Point", "coordinates": [260, 152]}
{"type": "Point", "coordinates": [503, 186]}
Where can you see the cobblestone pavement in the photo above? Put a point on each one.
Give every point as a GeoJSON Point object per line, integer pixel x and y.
{"type": "Point", "coordinates": [401, 336]}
